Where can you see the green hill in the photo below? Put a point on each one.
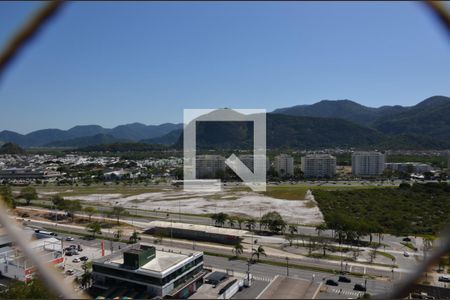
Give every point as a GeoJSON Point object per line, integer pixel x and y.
{"type": "Point", "coordinates": [11, 148]}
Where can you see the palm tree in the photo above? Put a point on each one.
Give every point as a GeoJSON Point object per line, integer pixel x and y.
{"type": "Point", "coordinates": [231, 222]}
{"type": "Point", "coordinates": [118, 234]}
{"type": "Point", "coordinates": [134, 237]}
{"type": "Point", "coordinates": [240, 221]}
{"type": "Point", "coordinates": [250, 223]}
{"type": "Point", "coordinates": [258, 252]}
{"type": "Point", "coordinates": [220, 218]}
{"type": "Point", "coordinates": [94, 228]}
{"type": "Point", "coordinates": [238, 249]}
{"type": "Point", "coordinates": [90, 210]}
{"type": "Point", "coordinates": [86, 277]}
{"type": "Point", "coordinates": [117, 212]}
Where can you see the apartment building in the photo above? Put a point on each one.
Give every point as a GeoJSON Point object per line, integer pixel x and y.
{"type": "Point", "coordinates": [255, 162]}
{"type": "Point", "coordinates": [319, 166]}
{"type": "Point", "coordinates": [284, 165]}
{"type": "Point", "coordinates": [368, 163]}
{"type": "Point", "coordinates": [208, 166]}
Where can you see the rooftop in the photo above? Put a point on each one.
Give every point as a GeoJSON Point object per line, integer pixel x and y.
{"type": "Point", "coordinates": [165, 258]}
{"type": "Point", "coordinates": [161, 262]}
{"type": "Point", "coordinates": [195, 227]}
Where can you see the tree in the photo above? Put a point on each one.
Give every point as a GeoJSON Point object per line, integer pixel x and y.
{"type": "Point", "coordinates": [90, 210]}
{"type": "Point", "coordinates": [292, 229]}
{"type": "Point", "coordinates": [258, 252]}
{"type": "Point", "coordinates": [118, 234]}
{"type": "Point", "coordinates": [273, 221]}
{"type": "Point", "coordinates": [289, 238]}
{"type": "Point", "coordinates": [219, 218]}
{"type": "Point", "coordinates": [35, 289]}
{"type": "Point", "coordinates": [134, 237]}
{"type": "Point", "coordinates": [71, 207]}
{"type": "Point", "coordinates": [250, 224]}
{"type": "Point", "coordinates": [117, 212]}
{"type": "Point", "coordinates": [323, 242]}
{"type": "Point", "coordinates": [57, 201]}
{"type": "Point", "coordinates": [8, 198]}
{"type": "Point", "coordinates": [238, 249]}
{"type": "Point", "coordinates": [29, 194]}
{"type": "Point", "coordinates": [231, 221]}
{"type": "Point", "coordinates": [94, 228]}
{"type": "Point", "coordinates": [320, 228]}
{"type": "Point", "coordinates": [239, 221]}
{"type": "Point", "coordinates": [372, 255]}
{"type": "Point", "coordinates": [86, 277]}
{"type": "Point", "coordinates": [311, 245]}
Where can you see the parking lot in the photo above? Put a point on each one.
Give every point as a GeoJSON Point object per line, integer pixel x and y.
{"type": "Point", "coordinates": [91, 249]}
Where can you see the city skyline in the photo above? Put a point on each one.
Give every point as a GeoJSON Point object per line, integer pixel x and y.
{"type": "Point", "coordinates": [205, 55]}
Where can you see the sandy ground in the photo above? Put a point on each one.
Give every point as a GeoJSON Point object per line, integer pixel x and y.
{"type": "Point", "coordinates": [249, 204]}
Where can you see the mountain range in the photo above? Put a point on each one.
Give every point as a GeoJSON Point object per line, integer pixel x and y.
{"type": "Point", "coordinates": [328, 123]}
{"type": "Point", "coordinates": [85, 135]}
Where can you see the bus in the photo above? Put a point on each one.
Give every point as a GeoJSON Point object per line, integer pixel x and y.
{"type": "Point", "coordinates": [42, 234]}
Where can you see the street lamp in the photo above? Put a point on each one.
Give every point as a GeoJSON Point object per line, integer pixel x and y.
{"type": "Point", "coordinates": [287, 266]}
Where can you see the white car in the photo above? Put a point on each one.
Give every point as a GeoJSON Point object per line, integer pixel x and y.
{"type": "Point", "coordinates": [405, 254]}
{"type": "Point", "coordinates": [70, 272]}
{"type": "Point", "coordinates": [69, 239]}
{"type": "Point", "coordinates": [76, 260]}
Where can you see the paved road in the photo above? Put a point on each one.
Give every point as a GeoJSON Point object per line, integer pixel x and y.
{"type": "Point", "coordinates": [333, 265]}
{"type": "Point", "coordinates": [264, 271]}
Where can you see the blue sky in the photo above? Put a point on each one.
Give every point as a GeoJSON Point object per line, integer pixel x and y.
{"type": "Point", "coordinates": [112, 63]}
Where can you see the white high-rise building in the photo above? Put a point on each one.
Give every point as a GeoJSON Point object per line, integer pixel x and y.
{"type": "Point", "coordinates": [319, 166]}
{"type": "Point", "coordinates": [368, 163]}
{"type": "Point", "coordinates": [284, 165]}
{"type": "Point", "coordinates": [208, 166]}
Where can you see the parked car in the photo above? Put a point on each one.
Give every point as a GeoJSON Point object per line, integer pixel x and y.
{"type": "Point", "coordinates": [70, 272]}
{"type": "Point", "coordinates": [444, 278]}
{"type": "Point", "coordinates": [69, 239]}
{"type": "Point", "coordinates": [405, 254]}
{"type": "Point", "coordinates": [68, 253]}
{"type": "Point", "coordinates": [331, 282]}
{"type": "Point", "coordinates": [76, 260]}
{"type": "Point", "coordinates": [406, 239]}
{"type": "Point", "coordinates": [73, 246]}
{"type": "Point", "coordinates": [344, 279]}
{"type": "Point", "coordinates": [359, 287]}
{"type": "Point", "coordinates": [84, 258]}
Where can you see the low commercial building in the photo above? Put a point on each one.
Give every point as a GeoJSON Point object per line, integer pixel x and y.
{"type": "Point", "coordinates": [284, 165]}
{"type": "Point", "coordinates": [209, 166]}
{"type": "Point", "coordinates": [29, 174]}
{"type": "Point", "coordinates": [368, 163]}
{"type": "Point", "coordinates": [14, 264]}
{"type": "Point", "coordinates": [196, 232]}
{"type": "Point", "coordinates": [319, 166]}
{"type": "Point", "coordinates": [147, 272]}
{"type": "Point", "coordinates": [409, 167]}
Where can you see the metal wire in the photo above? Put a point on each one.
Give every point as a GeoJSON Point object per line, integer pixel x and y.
{"type": "Point", "coordinates": [49, 275]}
{"type": "Point", "coordinates": [53, 280]}
{"type": "Point", "coordinates": [402, 288]}
{"type": "Point", "coordinates": [28, 31]}
{"type": "Point", "coordinates": [438, 8]}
